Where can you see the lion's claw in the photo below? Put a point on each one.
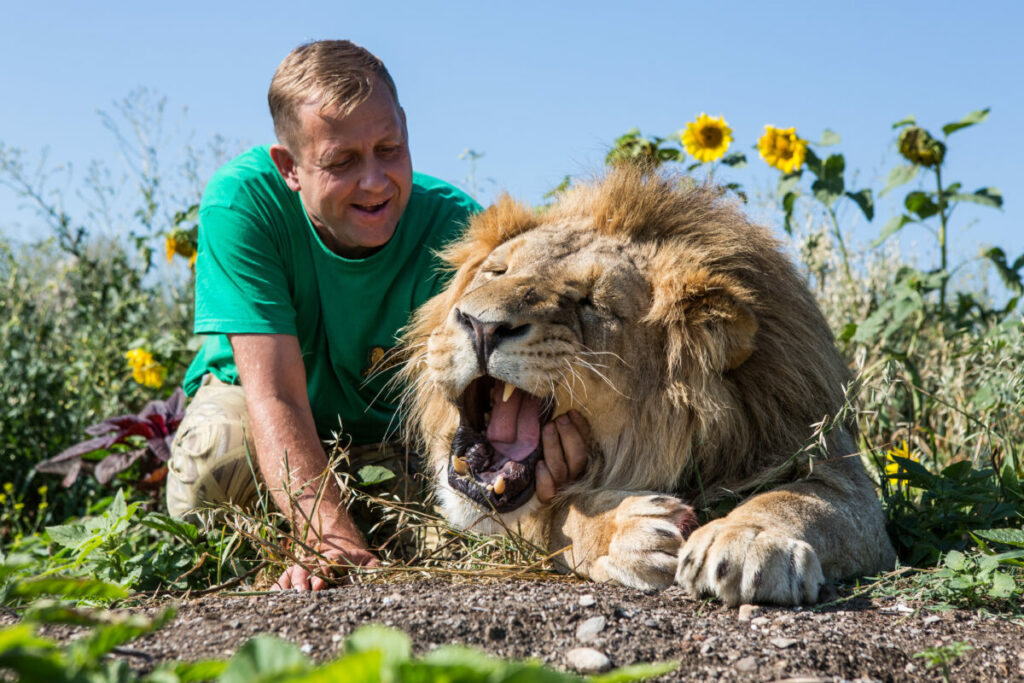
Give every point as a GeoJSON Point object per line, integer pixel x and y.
{"type": "Point", "coordinates": [740, 563]}
{"type": "Point", "coordinates": [644, 548]}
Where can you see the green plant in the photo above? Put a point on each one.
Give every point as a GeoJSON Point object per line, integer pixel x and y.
{"type": "Point", "coordinates": [944, 655]}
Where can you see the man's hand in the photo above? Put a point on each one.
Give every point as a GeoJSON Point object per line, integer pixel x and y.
{"type": "Point", "coordinates": [565, 442]}
{"type": "Point", "coordinates": [334, 560]}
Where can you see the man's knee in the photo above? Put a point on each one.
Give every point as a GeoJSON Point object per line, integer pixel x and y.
{"type": "Point", "coordinates": [213, 459]}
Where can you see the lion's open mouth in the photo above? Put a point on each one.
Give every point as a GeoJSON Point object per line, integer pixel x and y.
{"type": "Point", "coordinates": [496, 448]}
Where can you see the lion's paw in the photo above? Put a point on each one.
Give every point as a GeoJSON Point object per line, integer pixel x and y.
{"type": "Point", "coordinates": [644, 547]}
{"type": "Point", "coordinates": [740, 563]}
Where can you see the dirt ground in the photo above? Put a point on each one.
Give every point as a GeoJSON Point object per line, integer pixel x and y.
{"type": "Point", "coordinates": [860, 639]}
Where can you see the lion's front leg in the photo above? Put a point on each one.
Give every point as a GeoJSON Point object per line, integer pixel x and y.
{"type": "Point", "coordinates": [781, 546]}
{"type": "Point", "coordinates": [629, 537]}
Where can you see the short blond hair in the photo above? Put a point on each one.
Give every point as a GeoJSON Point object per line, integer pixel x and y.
{"type": "Point", "coordinates": [338, 73]}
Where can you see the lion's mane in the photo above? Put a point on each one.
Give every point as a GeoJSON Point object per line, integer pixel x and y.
{"type": "Point", "coordinates": [739, 361]}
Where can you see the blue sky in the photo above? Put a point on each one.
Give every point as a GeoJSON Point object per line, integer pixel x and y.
{"type": "Point", "coordinates": [542, 89]}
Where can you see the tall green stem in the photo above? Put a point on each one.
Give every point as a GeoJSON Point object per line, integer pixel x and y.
{"type": "Point", "coordinates": [942, 238]}
{"type": "Point", "coordinates": [842, 245]}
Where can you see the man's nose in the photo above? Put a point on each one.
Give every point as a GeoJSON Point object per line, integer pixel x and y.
{"type": "Point", "coordinates": [373, 176]}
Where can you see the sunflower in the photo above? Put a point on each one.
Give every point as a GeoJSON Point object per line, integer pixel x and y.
{"type": "Point", "coordinates": [181, 243]}
{"type": "Point", "coordinates": [706, 139]}
{"type": "Point", "coordinates": [781, 148]}
{"type": "Point", "coordinates": [892, 467]}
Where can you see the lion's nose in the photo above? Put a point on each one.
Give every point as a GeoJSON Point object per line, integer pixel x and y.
{"type": "Point", "coordinates": [487, 335]}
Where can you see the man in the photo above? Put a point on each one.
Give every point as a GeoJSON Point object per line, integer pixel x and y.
{"type": "Point", "coordinates": [313, 252]}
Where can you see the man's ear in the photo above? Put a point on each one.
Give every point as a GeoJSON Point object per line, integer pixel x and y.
{"type": "Point", "coordinates": [286, 166]}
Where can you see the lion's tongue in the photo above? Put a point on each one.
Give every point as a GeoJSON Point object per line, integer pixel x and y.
{"type": "Point", "coordinates": [514, 430]}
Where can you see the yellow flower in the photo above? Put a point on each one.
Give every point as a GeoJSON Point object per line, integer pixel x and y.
{"type": "Point", "coordinates": [9, 487]}
{"type": "Point", "coordinates": [3, 498]}
{"type": "Point", "coordinates": [706, 139]}
{"type": "Point", "coordinates": [893, 468]}
{"type": "Point", "coordinates": [145, 370]}
{"type": "Point", "coordinates": [179, 243]}
{"type": "Point", "coordinates": [781, 148]}
{"type": "Point", "coordinates": [18, 506]}
{"type": "Point", "coordinates": [42, 490]}
{"type": "Point", "coordinates": [43, 506]}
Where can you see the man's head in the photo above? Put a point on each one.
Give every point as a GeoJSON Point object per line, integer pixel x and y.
{"type": "Point", "coordinates": [343, 143]}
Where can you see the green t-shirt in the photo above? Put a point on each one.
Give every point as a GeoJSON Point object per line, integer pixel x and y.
{"type": "Point", "coordinates": [262, 269]}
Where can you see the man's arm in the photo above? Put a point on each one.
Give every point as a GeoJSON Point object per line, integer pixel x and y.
{"type": "Point", "coordinates": [274, 378]}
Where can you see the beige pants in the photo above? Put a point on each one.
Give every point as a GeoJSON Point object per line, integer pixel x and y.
{"type": "Point", "coordinates": [213, 456]}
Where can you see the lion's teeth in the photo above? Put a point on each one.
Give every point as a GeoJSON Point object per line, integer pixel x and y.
{"type": "Point", "coordinates": [460, 465]}
{"type": "Point", "coordinates": [499, 485]}
{"type": "Point", "coordinates": [508, 392]}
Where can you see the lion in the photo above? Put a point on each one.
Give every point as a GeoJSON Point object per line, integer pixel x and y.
{"type": "Point", "coordinates": [698, 355]}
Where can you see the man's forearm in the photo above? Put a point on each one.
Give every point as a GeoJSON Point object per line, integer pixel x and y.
{"type": "Point", "coordinates": [294, 467]}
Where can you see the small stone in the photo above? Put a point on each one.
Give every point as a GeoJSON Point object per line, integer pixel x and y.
{"type": "Point", "coordinates": [587, 600]}
{"type": "Point", "coordinates": [306, 648]}
{"type": "Point", "coordinates": [587, 660]}
{"type": "Point", "coordinates": [748, 612]}
{"type": "Point", "coordinates": [392, 599]}
{"type": "Point", "coordinates": [336, 638]}
{"type": "Point", "coordinates": [760, 621]}
{"type": "Point", "coordinates": [928, 621]}
{"type": "Point", "coordinates": [746, 665]}
{"type": "Point", "coordinates": [783, 643]}
{"type": "Point", "coordinates": [589, 629]}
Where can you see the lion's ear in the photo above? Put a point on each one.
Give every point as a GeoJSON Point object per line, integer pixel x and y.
{"type": "Point", "coordinates": [708, 318]}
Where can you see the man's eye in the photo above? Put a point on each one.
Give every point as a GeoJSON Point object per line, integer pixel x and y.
{"type": "Point", "coordinates": [388, 151]}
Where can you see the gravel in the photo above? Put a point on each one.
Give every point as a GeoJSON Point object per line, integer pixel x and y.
{"type": "Point", "coordinates": [589, 627]}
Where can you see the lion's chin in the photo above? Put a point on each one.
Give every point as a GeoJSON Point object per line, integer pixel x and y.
{"type": "Point", "coordinates": [466, 514]}
{"type": "Point", "coordinates": [494, 453]}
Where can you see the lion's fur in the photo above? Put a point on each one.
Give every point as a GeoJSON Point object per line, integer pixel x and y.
{"type": "Point", "coordinates": [740, 360]}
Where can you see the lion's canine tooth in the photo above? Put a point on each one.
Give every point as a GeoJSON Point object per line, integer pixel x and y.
{"type": "Point", "coordinates": [460, 465]}
{"type": "Point", "coordinates": [508, 392]}
{"type": "Point", "coordinates": [499, 485]}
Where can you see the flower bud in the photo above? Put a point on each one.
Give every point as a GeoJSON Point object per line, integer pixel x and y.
{"type": "Point", "coordinates": [919, 147]}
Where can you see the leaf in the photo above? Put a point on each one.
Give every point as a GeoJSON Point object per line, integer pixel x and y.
{"type": "Point", "coordinates": [736, 160]}
{"type": "Point", "coordinates": [394, 646]}
{"type": "Point", "coordinates": [787, 183]}
{"type": "Point", "coordinates": [1003, 585]}
{"type": "Point", "coordinates": [356, 667]}
{"type": "Point", "coordinates": [68, 589]}
{"type": "Point", "coordinates": [829, 138]}
{"type": "Point", "coordinates": [203, 670]}
{"type": "Point", "coordinates": [813, 162]}
{"type": "Point", "coordinates": [899, 176]}
{"type": "Point", "coordinates": [969, 120]}
{"type": "Point", "coordinates": [635, 672]}
{"type": "Point", "coordinates": [921, 203]}
{"type": "Point", "coordinates": [1010, 275]}
{"type": "Point", "coordinates": [1013, 537]}
{"type": "Point", "coordinates": [788, 202]}
{"type": "Point", "coordinates": [176, 527]}
{"type": "Point", "coordinates": [865, 201]}
{"type": "Point", "coordinates": [894, 225]}
{"type": "Point", "coordinates": [68, 535]}
{"type": "Point", "coordinates": [955, 560]}
{"type": "Point", "coordinates": [957, 470]}
{"type": "Point", "coordinates": [265, 659]}
{"type": "Point", "coordinates": [374, 474]}
{"type": "Point", "coordinates": [829, 186]}
{"type": "Point", "coordinates": [986, 196]}
{"type": "Point", "coordinates": [908, 121]}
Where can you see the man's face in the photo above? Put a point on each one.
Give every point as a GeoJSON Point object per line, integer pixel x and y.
{"type": "Point", "coordinates": [354, 173]}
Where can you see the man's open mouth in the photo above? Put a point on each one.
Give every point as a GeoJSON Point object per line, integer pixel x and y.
{"type": "Point", "coordinates": [372, 208]}
{"type": "Point", "coordinates": [496, 448]}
